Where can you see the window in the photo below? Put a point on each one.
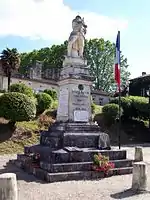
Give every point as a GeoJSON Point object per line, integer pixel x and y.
{"type": "Point", "coordinates": [100, 101]}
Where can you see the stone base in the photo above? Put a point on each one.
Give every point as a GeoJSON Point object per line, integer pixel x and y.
{"type": "Point", "coordinates": [74, 165]}
{"type": "Point", "coordinates": [81, 135]}
{"type": "Point", "coordinates": [75, 68]}
{"type": "Point", "coordinates": [74, 61]}
{"type": "Point", "coordinates": [66, 153]}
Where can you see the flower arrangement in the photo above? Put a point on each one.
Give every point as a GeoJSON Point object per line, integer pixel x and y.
{"type": "Point", "coordinates": [101, 163]}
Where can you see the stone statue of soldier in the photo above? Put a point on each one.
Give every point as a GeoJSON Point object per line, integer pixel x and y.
{"type": "Point", "coordinates": [76, 39]}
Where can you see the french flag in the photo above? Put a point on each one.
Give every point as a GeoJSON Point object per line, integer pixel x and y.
{"type": "Point", "coordinates": [117, 61]}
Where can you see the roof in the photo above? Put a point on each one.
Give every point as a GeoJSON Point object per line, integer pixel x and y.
{"type": "Point", "coordinates": [100, 92]}
{"type": "Point", "coordinates": [144, 78]}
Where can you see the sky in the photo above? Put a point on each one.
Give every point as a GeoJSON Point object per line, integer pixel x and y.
{"type": "Point", "coordinates": [34, 24]}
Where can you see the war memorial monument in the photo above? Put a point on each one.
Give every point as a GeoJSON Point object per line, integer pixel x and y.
{"type": "Point", "coordinates": [66, 149]}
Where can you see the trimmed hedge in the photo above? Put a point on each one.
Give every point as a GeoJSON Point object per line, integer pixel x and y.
{"type": "Point", "coordinates": [44, 101]}
{"type": "Point", "coordinates": [22, 88]}
{"type": "Point", "coordinates": [15, 107]}
{"type": "Point", "coordinates": [52, 93]}
{"type": "Point", "coordinates": [110, 113]}
{"type": "Point", "coordinates": [133, 106]}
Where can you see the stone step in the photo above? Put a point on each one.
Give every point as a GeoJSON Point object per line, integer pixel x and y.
{"type": "Point", "coordinates": [65, 156]}
{"type": "Point", "coordinates": [68, 176]}
{"type": "Point", "coordinates": [80, 166]}
{"type": "Point", "coordinates": [86, 175]}
{"type": "Point", "coordinates": [86, 155]}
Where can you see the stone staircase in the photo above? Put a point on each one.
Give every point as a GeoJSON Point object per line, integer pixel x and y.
{"type": "Point", "coordinates": [71, 163]}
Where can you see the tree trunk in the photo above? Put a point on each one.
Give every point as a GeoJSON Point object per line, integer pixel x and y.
{"type": "Point", "coordinates": [9, 77]}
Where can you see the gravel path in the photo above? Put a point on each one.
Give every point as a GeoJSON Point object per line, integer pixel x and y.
{"type": "Point", "coordinates": [116, 187]}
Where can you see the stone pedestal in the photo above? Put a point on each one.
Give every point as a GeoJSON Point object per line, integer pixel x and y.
{"type": "Point", "coordinates": [138, 154]}
{"type": "Point", "coordinates": [75, 92]}
{"type": "Point", "coordinates": [8, 187]}
{"type": "Point", "coordinates": [139, 180]}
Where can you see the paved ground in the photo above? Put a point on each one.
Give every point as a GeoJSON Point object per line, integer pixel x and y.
{"type": "Point", "coordinates": [116, 187]}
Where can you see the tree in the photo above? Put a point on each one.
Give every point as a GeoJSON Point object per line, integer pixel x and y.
{"type": "Point", "coordinates": [10, 60]}
{"type": "Point", "coordinates": [51, 57]}
{"type": "Point", "coordinates": [100, 57]}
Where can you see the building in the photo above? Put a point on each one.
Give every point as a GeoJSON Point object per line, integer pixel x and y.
{"type": "Point", "coordinates": [39, 81]}
{"type": "Point", "coordinates": [140, 86]}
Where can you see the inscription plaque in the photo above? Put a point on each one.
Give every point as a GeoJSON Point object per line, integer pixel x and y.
{"type": "Point", "coordinates": [63, 102]}
{"type": "Point", "coordinates": [81, 116]}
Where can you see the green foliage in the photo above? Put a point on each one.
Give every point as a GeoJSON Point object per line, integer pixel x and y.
{"type": "Point", "coordinates": [125, 104]}
{"type": "Point", "coordinates": [134, 107]}
{"type": "Point", "coordinates": [52, 93]}
{"type": "Point", "coordinates": [96, 108]}
{"type": "Point", "coordinates": [98, 53]}
{"type": "Point", "coordinates": [44, 102]}
{"type": "Point", "coordinates": [51, 57]}
{"type": "Point", "coordinates": [22, 88]}
{"type": "Point", "coordinates": [110, 113]}
{"type": "Point", "coordinates": [2, 91]}
{"type": "Point", "coordinates": [15, 107]}
{"type": "Point", "coordinates": [100, 57]}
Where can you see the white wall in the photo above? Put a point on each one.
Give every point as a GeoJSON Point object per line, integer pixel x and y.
{"type": "Point", "coordinates": [98, 98]}
{"type": "Point", "coordinates": [34, 84]}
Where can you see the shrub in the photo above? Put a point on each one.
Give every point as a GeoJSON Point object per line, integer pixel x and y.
{"type": "Point", "coordinates": [2, 91]}
{"type": "Point", "coordinates": [99, 118]}
{"type": "Point", "coordinates": [134, 107]}
{"type": "Point", "coordinates": [22, 88]}
{"type": "Point", "coordinates": [140, 107]}
{"type": "Point", "coordinates": [126, 104]}
{"type": "Point", "coordinates": [52, 93]}
{"type": "Point", "coordinates": [15, 107]}
{"type": "Point", "coordinates": [54, 105]}
{"type": "Point", "coordinates": [110, 113]}
{"type": "Point", "coordinates": [93, 107]}
{"type": "Point", "coordinates": [44, 102]}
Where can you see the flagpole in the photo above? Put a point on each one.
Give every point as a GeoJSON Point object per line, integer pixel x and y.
{"type": "Point", "coordinates": [119, 123]}
{"type": "Point", "coordinates": [117, 78]}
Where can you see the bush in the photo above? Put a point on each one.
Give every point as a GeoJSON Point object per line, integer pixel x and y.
{"type": "Point", "coordinates": [15, 107]}
{"type": "Point", "coordinates": [44, 102]}
{"type": "Point", "coordinates": [93, 108]}
{"type": "Point", "coordinates": [140, 107]}
{"type": "Point", "coordinates": [52, 93]}
{"type": "Point", "coordinates": [96, 108]}
{"type": "Point", "coordinates": [22, 88]}
{"type": "Point", "coordinates": [134, 107]}
{"type": "Point", "coordinates": [126, 104]}
{"type": "Point", "coordinates": [111, 113]}
{"type": "Point", "coordinates": [2, 91]}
